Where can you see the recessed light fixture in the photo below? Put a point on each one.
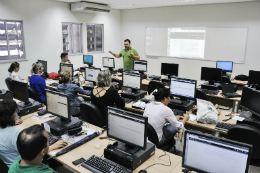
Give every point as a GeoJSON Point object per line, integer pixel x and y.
{"type": "Point", "coordinates": [176, 1]}
{"type": "Point", "coordinates": [124, 6]}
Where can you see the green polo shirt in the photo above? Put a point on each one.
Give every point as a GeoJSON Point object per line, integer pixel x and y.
{"type": "Point", "coordinates": [128, 59]}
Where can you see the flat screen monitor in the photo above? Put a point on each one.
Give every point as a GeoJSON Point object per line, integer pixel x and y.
{"type": "Point", "coordinates": [58, 104]}
{"type": "Point", "coordinates": [211, 74]}
{"type": "Point", "coordinates": [183, 88]}
{"type": "Point", "coordinates": [88, 59]}
{"type": "Point", "coordinates": [132, 80]}
{"type": "Point", "coordinates": [20, 91]}
{"type": "Point", "coordinates": [226, 66]}
{"type": "Point", "coordinates": [108, 62]}
{"type": "Point", "coordinates": [44, 64]}
{"type": "Point", "coordinates": [66, 67]}
{"type": "Point", "coordinates": [254, 77]}
{"type": "Point", "coordinates": [91, 73]}
{"type": "Point", "coordinates": [169, 69]}
{"type": "Point", "coordinates": [250, 100]}
{"type": "Point", "coordinates": [206, 153]}
{"type": "Point", "coordinates": [140, 65]}
{"type": "Point", "coordinates": [127, 127]}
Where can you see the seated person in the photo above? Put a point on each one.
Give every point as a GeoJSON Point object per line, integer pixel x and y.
{"type": "Point", "coordinates": [159, 113]}
{"type": "Point", "coordinates": [65, 59]}
{"type": "Point", "coordinates": [13, 71]}
{"type": "Point", "coordinates": [8, 133]}
{"type": "Point", "coordinates": [37, 82]}
{"type": "Point", "coordinates": [104, 95]}
{"type": "Point", "coordinates": [72, 90]}
{"type": "Point", "coordinates": [32, 144]}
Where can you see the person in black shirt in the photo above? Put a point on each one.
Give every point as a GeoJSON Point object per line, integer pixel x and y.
{"type": "Point", "coordinates": [104, 95]}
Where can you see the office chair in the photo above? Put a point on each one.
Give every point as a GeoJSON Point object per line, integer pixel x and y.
{"type": "Point", "coordinates": [117, 81]}
{"type": "Point", "coordinates": [4, 167]}
{"type": "Point", "coordinates": [153, 85]}
{"type": "Point", "coordinates": [250, 135]}
{"type": "Point", "coordinates": [225, 79]}
{"type": "Point", "coordinates": [34, 94]}
{"type": "Point", "coordinates": [200, 95]}
{"type": "Point", "coordinates": [152, 136]}
{"type": "Point", "coordinates": [9, 85]}
{"type": "Point", "coordinates": [91, 114]}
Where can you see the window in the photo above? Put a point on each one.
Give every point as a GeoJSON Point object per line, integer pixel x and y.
{"type": "Point", "coordinates": [72, 38]}
{"type": "Point", "coordinates": [11, 40]}
{"type": "Point", "coordinates": [95, 37]}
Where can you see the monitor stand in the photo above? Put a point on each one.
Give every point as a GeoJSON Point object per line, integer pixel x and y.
{"type": "Point", "coordinates": [179, 101]}
{"type": "Point", "coordinates": [24, 104]}
{"type": "Point", "coordinates": [135, 94]}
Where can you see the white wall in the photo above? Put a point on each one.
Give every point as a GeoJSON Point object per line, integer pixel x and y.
{"type": "Point", "coordinates": [238, 15]}
{"type": "Point", "coordinates": [43, 35]}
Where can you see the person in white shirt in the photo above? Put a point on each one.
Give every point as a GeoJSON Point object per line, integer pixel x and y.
{"type": "Point", "coordinates": [13, 71]}
{"type": "Point", "coordinates": [159, 113]}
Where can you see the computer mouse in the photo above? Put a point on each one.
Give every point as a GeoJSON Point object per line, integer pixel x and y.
{"type": "Point", "coordinates": [142, 171]}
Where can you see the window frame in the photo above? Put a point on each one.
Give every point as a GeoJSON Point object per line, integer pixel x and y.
{"type": "Point", "coordinates": [8, 46]}
{"type": "Point", "coordinates": [103, 36]}
{"type": "Point", "coordinates": [82, 44]}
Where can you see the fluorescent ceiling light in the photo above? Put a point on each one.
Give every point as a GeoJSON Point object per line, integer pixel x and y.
{"type": "Point", "coordinates": [124, 6]}
{"type": "Point", "coordinates": [176, 1]}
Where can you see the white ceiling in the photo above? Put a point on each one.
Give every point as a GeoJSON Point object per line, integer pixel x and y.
{"type": "Point", "coordinates": [124, 4]}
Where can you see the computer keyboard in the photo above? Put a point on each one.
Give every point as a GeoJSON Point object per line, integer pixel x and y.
{"type": "Point", "coordinates": [103, 165]}
{"type": "Point", "coordinates": [212, 92]}
{"type": "Point", "coordinates": [127, 100]}
{"type": "Point", "coordinates": [178, 112]}
{"type": "Point", "coordinates": [223, 126]}
{"type": "Point", "coordinates": [52, 138]}
{"type": "Point", "coordinates": [54, 84]}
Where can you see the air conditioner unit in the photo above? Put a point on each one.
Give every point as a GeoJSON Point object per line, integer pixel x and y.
{"type": "Point", "coordinates": [90, 8]}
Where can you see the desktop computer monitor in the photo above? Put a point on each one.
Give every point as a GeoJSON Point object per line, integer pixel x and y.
{"type": "Point", "coordinates": [109, 63]}
{"type": "Point", "coordinates": [88, 59]}
{"type": "Point", "coordinates": [226, 66]}
{"type": "Point", "coordinates": [44, 64]}
{"type": "Point", "coordinates": [66, 67]}
{"type": "Point", "coordinates": [254, 77]}
{"type": "Point", "coordinates": [250, 100]}
{"type": "Point", "coordinates": [58, 105]}
{"type": "Point", "coordinates": [127, 127]}
{"type": "Point", "coordinates": [169, 69]}
{"type": "Point", "coordinates": [206, 153]}
{"type": "Point", "coordinates": [132, 80]}
{"type": "Point", "coordinates": [140, 65]}
{"type": "Point", "coordinates": [183, 88]}
{"type": "Point", "coordinates": [91, 73]}
{"type": "Point", "coordinates": [20, 91]}
{"type": "Point", "coordinates": [211, 74]}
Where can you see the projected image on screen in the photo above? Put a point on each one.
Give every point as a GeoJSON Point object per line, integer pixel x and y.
{"type": "Point", "coordinates": [186, 42]}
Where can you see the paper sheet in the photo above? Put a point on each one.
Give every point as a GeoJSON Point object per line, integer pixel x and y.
{"type": "Point", "coordinates": [47, 127]}
{"type": "Point", "coordinates": [50, 81]}
{"type": "Point", "coordinates": [42, 117]}
{"type": "Point", "coordinates": [238, 118]}
{"type": "Point", "coordinates": [192, 117]}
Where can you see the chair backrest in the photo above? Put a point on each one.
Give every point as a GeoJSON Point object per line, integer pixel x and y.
{"type": "Point", "coordinates": [91, 114]}
{"type": "Point", "coordinates": [200, 95]}
{"type": "Point", "coordinates": [8, 82]}
{"type": "Point", "coordinates": [4, 167]}
{"type": "Point", "coordinates": [152, 135]}
{"type": "Point", "coordinates": [34, 94]}
{"type": "Point", "coordinates": [153, 85]}
{"type": "Point", "coordinates": [117, 81]}
{"type": "Point", "coordinates": [225, 79]}
{"type": "Point", "coordinates": [246, 134]}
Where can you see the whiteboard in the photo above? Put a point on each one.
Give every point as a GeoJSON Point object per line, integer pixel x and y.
{"type": "Point", "coordinates": [224, 44]}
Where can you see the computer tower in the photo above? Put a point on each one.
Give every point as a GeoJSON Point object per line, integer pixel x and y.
{"type": "Point", "coordinates": [183, 107]}
{"type": "Point", "coordinates": [134, 95]}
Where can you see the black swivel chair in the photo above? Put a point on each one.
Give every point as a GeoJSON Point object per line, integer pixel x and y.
{"type": "Point", "coordinates": [152, 136]}
{"type": "Point", "coordinates": [225, 79]}
{"type": "Point", "coordinates": [4, 167]}
{"type": "Point", "coordinates": [91, 114]}
{"type": "Point", "coordinates": [9, 85]}
{"type": "Point", "coordinates": [153, 85]}
{"type": "Point", "coordinates": [250, 135]}
{"type": "Point", "coordinates": [200, 95]}
{"type": "Point", "coordinates": [34, 94]}
{"type": "Point", "coordinates": [117, 81]}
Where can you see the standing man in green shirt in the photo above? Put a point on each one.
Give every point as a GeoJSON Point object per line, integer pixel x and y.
{"type": "Point", "coordinates": [128, 54]}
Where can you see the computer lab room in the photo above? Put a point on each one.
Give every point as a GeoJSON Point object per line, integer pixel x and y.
{"type": "Point", "coordinates": [137, 86]}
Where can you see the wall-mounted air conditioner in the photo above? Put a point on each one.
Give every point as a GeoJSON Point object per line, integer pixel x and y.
{"type": "Point", "coordinates": [89, 7]}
